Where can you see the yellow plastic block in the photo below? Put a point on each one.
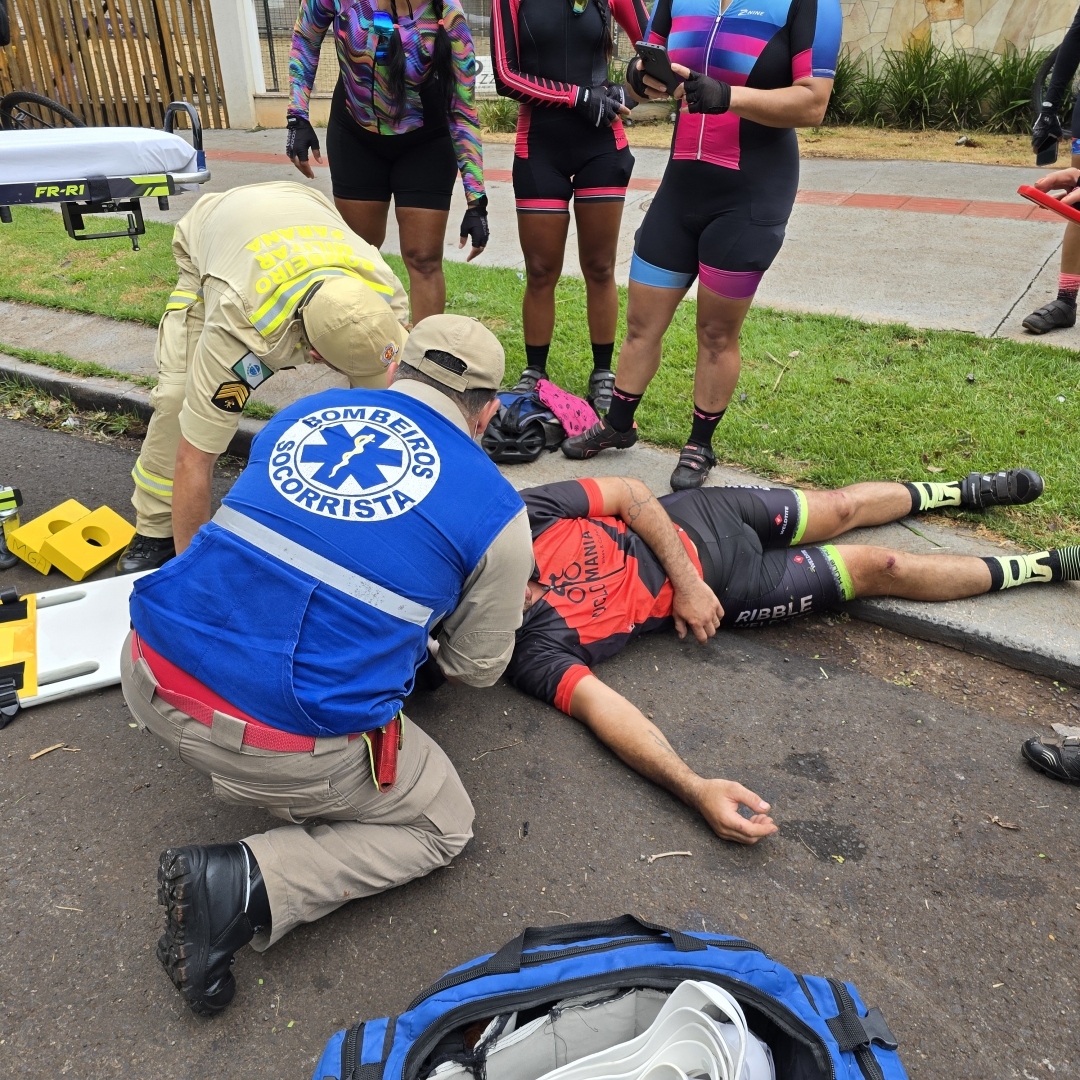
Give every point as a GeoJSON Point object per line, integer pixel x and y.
{"type": "Point", "coordinates": [18, 645]}
{"type": "Point", "coordinates": [88, 543]}
{"type": "Point", "coordinates": [27, 540]}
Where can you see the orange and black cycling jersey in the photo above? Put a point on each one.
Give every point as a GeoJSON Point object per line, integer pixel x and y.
{"type": "Point", "coordinates": [604, 587]}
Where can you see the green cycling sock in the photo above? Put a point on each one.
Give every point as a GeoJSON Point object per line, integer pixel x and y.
{"type": "Point", "coordinates": [933, 496]}
{"type": "Point", "coordinates": [1058, 564]}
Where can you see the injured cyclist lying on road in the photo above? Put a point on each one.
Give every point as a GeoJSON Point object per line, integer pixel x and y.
{"type": "Point", "coordinates": [613, 562]}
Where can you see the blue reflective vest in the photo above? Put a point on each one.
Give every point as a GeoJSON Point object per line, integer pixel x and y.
{"type": "Point", "coordinates": [307, 601]}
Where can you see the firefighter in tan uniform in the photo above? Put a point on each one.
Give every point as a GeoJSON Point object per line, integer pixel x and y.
{"type": "Point", "coordinates": [270, 277]}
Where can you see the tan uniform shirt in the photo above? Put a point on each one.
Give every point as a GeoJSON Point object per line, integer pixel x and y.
{"type": "Point", "coordinates": [255, 252]}
{"type": "Point", "coordinates": [477, 637]}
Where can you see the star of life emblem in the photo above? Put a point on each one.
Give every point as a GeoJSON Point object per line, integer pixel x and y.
{"type": "Point", "coordinates": [354, 463]}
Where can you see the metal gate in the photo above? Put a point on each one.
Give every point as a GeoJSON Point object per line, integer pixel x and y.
{"type": "Point", "coordinates": [116, 62]}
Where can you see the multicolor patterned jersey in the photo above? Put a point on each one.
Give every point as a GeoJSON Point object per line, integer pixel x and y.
{"type": "Point", "coordinates": [605, 587]}
{"type": "Point", "coordinates": [764, 44]}
{"type": "Point", "coordinates": [367, 93]}
{"type": "Point", "coordinates": [544, 51]}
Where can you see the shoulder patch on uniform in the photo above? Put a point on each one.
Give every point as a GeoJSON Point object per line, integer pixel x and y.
{"type": "Point", "coordinates": [231, 397]}
{"type": "Point", "coordinates": [252, 370]}
{"type": "Point", "coordinates": [389, 354]}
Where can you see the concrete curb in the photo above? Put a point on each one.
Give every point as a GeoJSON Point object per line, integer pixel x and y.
{"type": "Point", "coordinates": [113, 395]}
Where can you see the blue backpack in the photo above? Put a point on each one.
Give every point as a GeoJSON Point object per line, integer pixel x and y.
{"type": "Point", "coordinates": [816, 1029]}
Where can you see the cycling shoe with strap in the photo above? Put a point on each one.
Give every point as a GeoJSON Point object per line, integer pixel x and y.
{"type": "Point", "coordinates": [601, 384]}
{"type": "Point", "coordinates": [1009, 487]}
{"type": "Point", "coordinates": [601, 436]}
{"type": "Point", "coordinates": [527, 381]}
{"type": "Point", "coordinates": [693, 468]}
{"type": "Point", "coordinates": [1057, 315]}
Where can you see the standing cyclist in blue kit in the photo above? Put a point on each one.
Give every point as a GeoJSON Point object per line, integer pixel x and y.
{"type": "Point", "coordinates": [753, 73]}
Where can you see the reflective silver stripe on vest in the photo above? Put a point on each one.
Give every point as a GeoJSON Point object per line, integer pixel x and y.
{"type": "Point", "coordinates": [320, 568]}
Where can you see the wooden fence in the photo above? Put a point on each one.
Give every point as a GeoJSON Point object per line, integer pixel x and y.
{"type": "Point", "coordinates": [116, 62]}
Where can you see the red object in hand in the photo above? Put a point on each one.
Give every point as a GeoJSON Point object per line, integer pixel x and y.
{"type": "Point", "coordinates": [1048, 202]}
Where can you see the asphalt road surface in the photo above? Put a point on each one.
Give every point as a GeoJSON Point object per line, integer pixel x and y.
{"type": "Point", "coordinates": [887, 870]}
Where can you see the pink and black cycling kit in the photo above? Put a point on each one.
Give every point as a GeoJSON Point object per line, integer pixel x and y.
{"type": "Point", "coordinates": [730, 183]}
{"type": "Point", "coordinates": [546, 52]}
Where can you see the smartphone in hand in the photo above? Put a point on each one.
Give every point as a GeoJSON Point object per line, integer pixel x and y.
{"type": "Point", "coordinates": [656, 64]}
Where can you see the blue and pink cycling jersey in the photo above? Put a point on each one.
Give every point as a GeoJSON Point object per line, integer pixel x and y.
{"type": "Point", "coordinates": [727, 192]}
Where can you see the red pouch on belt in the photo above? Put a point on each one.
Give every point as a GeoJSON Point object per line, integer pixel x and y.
{"type": "Point", "coordinates": [384, 744]}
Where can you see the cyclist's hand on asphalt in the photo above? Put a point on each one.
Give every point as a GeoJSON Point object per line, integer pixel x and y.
{"type": "Point", "coordinates": [300, 139]}
{"type": "Point", "coordinates": [719, 802]}
{"type": "Point", "coordinates": [695, 606]}
{"type": "Point", "coordinates": [1063, 180]}
{"type": "Point", "coordinates": [475, 225]}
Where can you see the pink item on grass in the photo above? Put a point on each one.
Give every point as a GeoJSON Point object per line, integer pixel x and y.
{"type": "Point", "coordinates": [575, 415]}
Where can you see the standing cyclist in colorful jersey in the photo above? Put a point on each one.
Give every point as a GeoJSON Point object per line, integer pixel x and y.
{"type": "Point", "coordinates": [552, 56]}
{"type": "Point", "coordinates": [402, 124]}
{"type": "Point", "coordinates": [752, 75]}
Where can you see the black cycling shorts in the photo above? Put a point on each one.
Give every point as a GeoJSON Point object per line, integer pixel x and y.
{"type": "Point", "coordinates": [417, 169]}
{"type": "Point", "coordinates": [748, 540]}
{"type": "Point", "coordinates": [725, 225]}
{"type": "Point", "coordinates": [558, 155]}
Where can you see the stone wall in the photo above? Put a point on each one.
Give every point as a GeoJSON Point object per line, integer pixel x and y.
{"type": "Point", "coordinates": [873, 25]}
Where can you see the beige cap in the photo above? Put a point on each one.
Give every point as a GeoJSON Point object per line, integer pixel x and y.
{"type": "Point", "coordinates": [476, 359]}
{"type": "Point", "coordinates": [351, 326]}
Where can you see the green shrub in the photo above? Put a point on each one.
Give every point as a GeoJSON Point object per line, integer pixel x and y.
{"type": "Point", "coordinates": [913, 79]}
{"type": "Point", "coordinates": [498, 114]}
{"type": "Point", "coordinates": [965, 83]}
{"type": "Point", "coordinates": [868, 97]}
{"type": "Point", "coordinates": [847, 75]}
{"type": "Point", "coordinates": [1009, 94]}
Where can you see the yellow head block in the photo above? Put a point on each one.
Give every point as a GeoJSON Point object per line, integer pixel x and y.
{"type": "Point", "coordinates": [27, 540]}
{"type": "Point", "coordinates": [88, 543]}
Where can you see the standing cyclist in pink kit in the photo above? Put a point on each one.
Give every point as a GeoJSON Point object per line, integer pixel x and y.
{"type": "Point", "coordinates": [753, 73]}
{"type": "Point", "coordinates": [552, 56]}
{"type": "Point", "coordinates": [402, 125]}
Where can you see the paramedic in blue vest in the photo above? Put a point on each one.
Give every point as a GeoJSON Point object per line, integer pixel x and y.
{"type": "Point", "coordinates": [274, 654]}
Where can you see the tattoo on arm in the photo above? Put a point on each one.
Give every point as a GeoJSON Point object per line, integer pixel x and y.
{"type": "Point", "coordinates": [658, 738]}
{"type": "Point", "coordinates": [637, 505]}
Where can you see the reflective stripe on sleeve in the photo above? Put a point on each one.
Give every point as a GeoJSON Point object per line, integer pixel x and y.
{"type": "Point", "coordinates": [180, 299]}
{"type": "Point", "coordinates": [160, 486]}
{"type": "Point", "coordinates": [281, 303]}
{"type": "Point", "coordinates": [320, 568]}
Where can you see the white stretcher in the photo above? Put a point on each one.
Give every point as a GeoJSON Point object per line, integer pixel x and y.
{"type": "Point", "coordinates": [101, 171]}
{"type": "Point", "coordinates": [78, 634]}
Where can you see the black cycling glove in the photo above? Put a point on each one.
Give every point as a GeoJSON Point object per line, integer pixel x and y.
{"type": "Point", "coordinates": [301, 138]}
{"type": "Point", "coordinates": [1046, 132]}
{"type": "Point", "coordinates": [596, 106]}
{"type": "Point", "coordinates": [635, 76]}
{"type": "Point", "coordinates": [705, 95]}
{"type": "Point", "coordinates": [475, 223]}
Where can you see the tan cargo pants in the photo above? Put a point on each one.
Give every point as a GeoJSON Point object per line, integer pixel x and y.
{"type": "Point", "coordinates": [369, 841]}
{"type": "Point", "coordinates": [178, 334]}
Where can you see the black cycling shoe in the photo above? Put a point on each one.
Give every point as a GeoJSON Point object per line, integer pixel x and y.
{"type": "Point", "coordinates": [208, 893]}
{"type": "Point", "coordinates": [145, 553]}
{"type": "Point", "coordinates": [1011, 487]}
{"type": "Point", "coordinates": [694, 465]}
{"type": "Point", "coordinates": [526, 384]}
{"type": "Point", "coordinates": [601, 436]}
{"type": "Point", "coordinates": [601, 384]}
{"type": "Point", "coordinates": [1057, 315]}
{"type": "Point", "coordinates": [1057, 756]}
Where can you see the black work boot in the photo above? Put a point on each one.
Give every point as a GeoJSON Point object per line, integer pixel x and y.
{"type": "Point", "coordinates": [215, 901]}
{"type": "Point", "coordinates": [145, 553]}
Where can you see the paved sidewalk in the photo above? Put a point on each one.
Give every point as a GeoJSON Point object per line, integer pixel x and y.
{"type": "Point", "coordinates": [953, 263]}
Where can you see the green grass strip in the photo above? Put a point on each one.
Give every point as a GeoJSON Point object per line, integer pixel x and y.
{"type": "Point", "coordinates": [63, 362]}
{"type": "Point", "coordinates": [823, 400]}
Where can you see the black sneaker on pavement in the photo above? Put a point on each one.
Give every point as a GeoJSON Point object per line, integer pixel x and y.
{"type": "Point", "coordinates": [1009, 487]}
{"type": "Point", "coordinates": [694, 465]}
{"type": "Point", "coordinates": [207, 892]}
{"type": "Point", "coordinates": [1057, 756]}
{"type": "Point", "coordinates": [1056, 315]}
{"type": "Point", "coordinates": [601, 383]}
{"type": "Point", "coordinates": [526, 384]}
{"type": "Point", "coordinates": [145, 553]}
{"type": "Point", "coordinates": [601, 436]}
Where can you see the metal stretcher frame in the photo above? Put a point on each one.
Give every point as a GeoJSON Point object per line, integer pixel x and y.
{"type": "Point", "coordinates": [82, 196]}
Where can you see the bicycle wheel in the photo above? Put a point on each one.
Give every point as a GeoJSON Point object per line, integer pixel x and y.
{"type": "Point", "coordinates": [25, 111]}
